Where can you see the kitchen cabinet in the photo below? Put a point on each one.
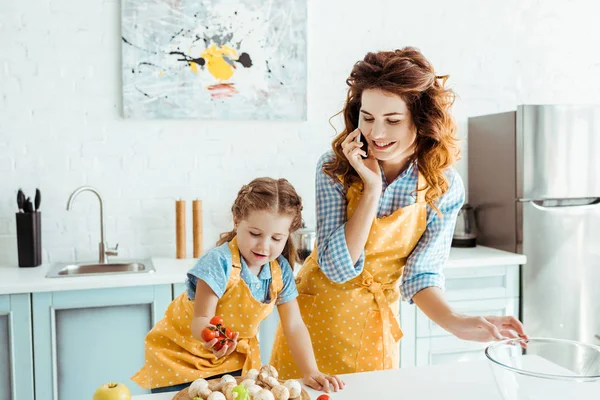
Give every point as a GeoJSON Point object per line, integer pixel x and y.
{"type": "Point", "coordinates": [16, 373]}
{"type": "Point", "coordinates": [178, 288]}
{"type": "Point", "coordinates": [85, 338]}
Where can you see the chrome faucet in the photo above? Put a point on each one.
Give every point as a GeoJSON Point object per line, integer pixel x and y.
{"type": "Point", "coordinates": [104, 250]}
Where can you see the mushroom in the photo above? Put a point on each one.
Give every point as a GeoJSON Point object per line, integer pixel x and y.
{"type": "Point", "coordinates": [294, 388]}
{"type": "Point", "coordinates": [216, 396]}
{"type": "Point", "coordinates": [227, 390]}
{"type": "Point", "coordinates": [252, 374]}
{"type": "Point", "coordinates": [199, 388]}
{"type": "Point", "coordinates": [269, 370]}
{"type": "Point", "coordinates": [215, 385]}
{"type": "Point", "coordinates": [248, 382]}
{"type": "Point", "coordinates": [269, 381]}
{"type": "Point", "coordinates": [227, 378]}
{"type": "Point", "coordinates": [253, 389]}
{"type": "Point", "coordinates": [263, 394]}
{"type": "Point", "coordinates": [280, 392]}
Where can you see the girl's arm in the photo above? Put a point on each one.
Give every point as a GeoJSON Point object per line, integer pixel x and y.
{"type": "Point", "coordinates": [205, 306]}
{"type": "Point", "coordinates": [298, 340]}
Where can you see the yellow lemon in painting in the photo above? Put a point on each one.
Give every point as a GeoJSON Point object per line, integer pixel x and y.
{"type": "Point", "coordinates": [219, 61]}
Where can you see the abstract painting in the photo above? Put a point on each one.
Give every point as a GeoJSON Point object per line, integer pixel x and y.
{"type": "Point", "coordinates": [214, 59]}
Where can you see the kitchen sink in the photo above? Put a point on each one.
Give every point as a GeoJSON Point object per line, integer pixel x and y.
{"type": "Point", "coordinates": [61, 270]}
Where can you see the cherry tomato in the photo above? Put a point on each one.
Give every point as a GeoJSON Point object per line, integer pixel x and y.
{"type": "Point", "coordinates": [229, 333]}
{"type": "Point", "coordinates": [216, 320]}
{"type": "Point", "coordinates": [219, 345]}
{"type": "Point", "coordinates": [323, 397]}
{"type": "Point", "coordinates": [209, 334]}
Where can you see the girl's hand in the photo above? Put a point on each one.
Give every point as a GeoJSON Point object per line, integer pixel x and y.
{"type": "Point", "coordinates": [227, 349]}
{"type": "Point", "coordinates": [367, 169]}
{"type": "Point", "coordinates": [486, 329]}
{"type": "Point", "coordinates": [319, 381]}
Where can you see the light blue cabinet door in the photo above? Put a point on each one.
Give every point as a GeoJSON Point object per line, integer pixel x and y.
{"type": "Point", "coordinates": [85, 338]}
{"type": "Point", "coordinates": [178, 288]}
{"type": "Point", "coordinates": [16, 360]}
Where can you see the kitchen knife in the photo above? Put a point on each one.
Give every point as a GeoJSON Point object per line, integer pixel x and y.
{"type": "Point", "coordinates": [38, 199]}
{"type": "Point", "coordinates": [28, 208]}
{"type": "Point", "coordinates": [20, 200]}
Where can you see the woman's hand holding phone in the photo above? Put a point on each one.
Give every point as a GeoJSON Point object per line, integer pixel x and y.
{"type": "Point", "coordinates": [363, 162]}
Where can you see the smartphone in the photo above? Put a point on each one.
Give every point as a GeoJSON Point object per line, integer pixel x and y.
{"type": "Point", "coordinates": [361, 139]}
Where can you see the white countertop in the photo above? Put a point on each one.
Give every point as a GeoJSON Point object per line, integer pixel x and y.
{"type": "Point", "coordinates": [482, 256]}
{"type": "Point", "coordinates": [170, 270]}
{"type": "Point", "coordinates": [30, 280]}
{"type": "Point", "coordinates": [456, 381]}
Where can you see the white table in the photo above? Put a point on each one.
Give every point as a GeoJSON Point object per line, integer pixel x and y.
{"type": "Point", "coordinates": [459, 381]}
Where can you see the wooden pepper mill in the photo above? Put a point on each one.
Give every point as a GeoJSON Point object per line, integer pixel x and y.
{"type": "Point", "coordinates": [180, 228]}
{"type": "Point", "coordinates": [197, 227]}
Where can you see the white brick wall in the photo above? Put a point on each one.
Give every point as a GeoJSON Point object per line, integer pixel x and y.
{"type": "Point", "coordinates": [60, 101]}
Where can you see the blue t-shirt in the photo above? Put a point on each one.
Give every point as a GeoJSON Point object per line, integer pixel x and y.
{"type": "Point", "coordinates": [215, 267]}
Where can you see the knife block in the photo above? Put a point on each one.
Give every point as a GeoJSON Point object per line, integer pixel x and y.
{"type": "Point", "coordinates": [29, 239]}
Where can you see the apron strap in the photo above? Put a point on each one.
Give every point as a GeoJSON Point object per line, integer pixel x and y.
{"type": "Point", "coordinates": [236, 263]}
{"type": "Point", "coordinates": [421, 189]}
{"type": "Point", "coordinates": [276, 276]}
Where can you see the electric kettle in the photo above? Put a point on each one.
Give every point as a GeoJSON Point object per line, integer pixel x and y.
{"type": "Point", "coordinates": [465, 232]}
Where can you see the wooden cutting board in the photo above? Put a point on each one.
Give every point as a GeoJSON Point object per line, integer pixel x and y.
{"type": "Point", "coordinates": [183, 394]}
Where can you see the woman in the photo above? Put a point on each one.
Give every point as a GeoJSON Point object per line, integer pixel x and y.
{"type": "Point", "coordinates": [385, 218]}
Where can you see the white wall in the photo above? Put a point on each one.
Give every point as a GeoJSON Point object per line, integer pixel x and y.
{"type": "Point", "coordinates": [60, 101]}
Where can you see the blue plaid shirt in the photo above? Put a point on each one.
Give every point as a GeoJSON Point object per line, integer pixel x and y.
{"type": "Point", "coordinates": [424, 265]}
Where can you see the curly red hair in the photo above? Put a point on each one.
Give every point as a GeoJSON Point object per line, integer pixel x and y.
{"type": "Point", "coordinates": [408, 74]}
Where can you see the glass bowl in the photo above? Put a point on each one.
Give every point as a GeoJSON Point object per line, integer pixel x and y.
{"type": "Point", "coordinates": [539, 368]}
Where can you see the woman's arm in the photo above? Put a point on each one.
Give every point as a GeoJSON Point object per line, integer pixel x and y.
{"type": "Point", "coordinates": [359, 225]}
{"type": "Point", "coordinates": [300, 345]}
{"type": "Point", "coordinates": [340, 244]}
{"type": "Point", "coordinates": [422, 279]}
{"type": "Point", "coordinates": [425, 263]}
{"type": "Point", "coordinates": [480, 329]}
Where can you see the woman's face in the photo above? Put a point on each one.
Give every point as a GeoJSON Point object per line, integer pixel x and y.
{"type": "Point", "coordinates": [387, 125]}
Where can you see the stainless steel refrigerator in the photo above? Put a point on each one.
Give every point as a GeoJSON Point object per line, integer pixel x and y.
{"type": "Point", "coordinates": [534, 180]}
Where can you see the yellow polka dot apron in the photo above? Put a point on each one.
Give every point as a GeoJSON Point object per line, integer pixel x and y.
{"type": "Point", "coordinates": [354, 326]}
{"type": "Point", "coordinates": [174, 356]}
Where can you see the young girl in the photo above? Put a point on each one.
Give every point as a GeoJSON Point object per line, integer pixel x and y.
{"type": "Point", "coordinates": [241, 280]}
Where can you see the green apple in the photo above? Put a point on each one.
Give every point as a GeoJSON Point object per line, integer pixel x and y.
{"type": "Point", "coordinates": [112, 391]}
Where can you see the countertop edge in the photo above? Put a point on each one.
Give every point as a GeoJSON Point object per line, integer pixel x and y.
{"type": "Point", "coordinates": [14, 280]}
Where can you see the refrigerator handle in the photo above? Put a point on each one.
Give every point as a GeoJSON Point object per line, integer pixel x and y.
{"type": "Point", "coordinates": [557, 204]}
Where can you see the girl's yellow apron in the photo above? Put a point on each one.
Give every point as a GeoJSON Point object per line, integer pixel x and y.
{"type": "Point", "coordinates": [174, 356]}
{"type": "Point", "coordinates": [354, 326]}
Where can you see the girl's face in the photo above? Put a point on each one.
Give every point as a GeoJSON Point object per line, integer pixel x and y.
{"type": "Point", "coordinates": [386, 123]}
{"type": "Point", "coordinates": [262, 236]}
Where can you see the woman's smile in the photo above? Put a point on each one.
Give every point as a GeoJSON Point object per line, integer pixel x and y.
{"type": "Point", "coordinates": [382, 145]}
